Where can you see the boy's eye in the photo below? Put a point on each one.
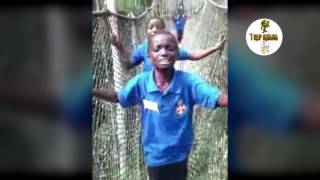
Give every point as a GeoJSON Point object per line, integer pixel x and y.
{"type": "Point", "coordinates": [157, 27]}
{"type": "Point", "coordinates": [155, 50]}
{"type": "Point", "coordinates": [167, 47]}
{"type": "Point", "coordinates": [171, 48]}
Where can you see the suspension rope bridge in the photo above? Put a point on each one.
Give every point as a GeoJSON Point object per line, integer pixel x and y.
{"type": "Point", "coordinates": [117, 150]}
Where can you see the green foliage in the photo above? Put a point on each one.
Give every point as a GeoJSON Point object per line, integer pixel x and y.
{"type": "Point", "coordinates": [135, 6]}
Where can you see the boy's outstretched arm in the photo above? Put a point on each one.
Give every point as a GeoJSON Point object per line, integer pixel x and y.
{"type": "Point", "coordinates": [125, 53]}
{"type": "Point", "coordinates": [223, 100]}
{"type": "Point", "coordinates": [197, 55]}
{"type": "Point", "coordinates": [109, 94]}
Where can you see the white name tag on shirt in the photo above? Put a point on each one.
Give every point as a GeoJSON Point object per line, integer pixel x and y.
{"type": "Point", "coordinates": [150, 105]}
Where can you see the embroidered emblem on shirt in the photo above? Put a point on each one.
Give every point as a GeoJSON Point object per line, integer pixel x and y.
{"type": "Point", "coordinates": [181, 108]}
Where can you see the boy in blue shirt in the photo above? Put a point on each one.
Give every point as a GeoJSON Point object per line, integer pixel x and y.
{"type": "Point", "coordinates": [166, 97]}
{"type": "Point", "coordinates": [140, 54]}
{"type": "Point", "coordinates": [179, 22]}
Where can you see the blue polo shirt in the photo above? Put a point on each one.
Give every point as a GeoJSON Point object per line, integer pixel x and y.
{"type": "Point", "coordinates": [167, 129]}
{"type": "Point", "coordinates": [140, 54]}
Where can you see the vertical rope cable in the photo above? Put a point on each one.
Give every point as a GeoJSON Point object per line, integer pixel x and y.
{"type": "Point", "coordinates": [120, 113]}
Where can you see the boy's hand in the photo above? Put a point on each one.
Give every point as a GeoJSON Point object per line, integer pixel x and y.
{"type": "Point", "coordinates": [115, 41]}
{"type": "Point", "coordinates": [221, 42]}
{"type": "Point", "coordinates": [95, 91]}
{"type": "Point", "coordinates": [223, 99]}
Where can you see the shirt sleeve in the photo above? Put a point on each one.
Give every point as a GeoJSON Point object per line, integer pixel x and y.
{"type": "Point", "coordinates": [204, 94]}
{"type": "Point", "coordinates": [137, 55]}
{"type": "Point", "coordinates": [130, 94]}
{"type": "Point", "coordinates": [183, 54]}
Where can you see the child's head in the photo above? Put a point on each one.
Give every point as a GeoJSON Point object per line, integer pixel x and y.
{"type": "Point", "coordinates": [163, 49]}
{"type": "Point", "coordinates": [154, 25]}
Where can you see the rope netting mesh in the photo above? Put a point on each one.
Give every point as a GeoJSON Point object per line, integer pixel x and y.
{"type": "Point", "coordinates": [117, 151]}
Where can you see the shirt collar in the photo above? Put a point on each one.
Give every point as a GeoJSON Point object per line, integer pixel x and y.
{"type": "Point", "coordinates": [174, 86]}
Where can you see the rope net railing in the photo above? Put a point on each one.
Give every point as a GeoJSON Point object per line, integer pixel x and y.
{"type": "Point", "coordinates": [117, 150]}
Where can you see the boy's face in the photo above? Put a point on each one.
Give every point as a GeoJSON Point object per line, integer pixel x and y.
{"type": "Point", "coordinates": [154, 26]}
{"type": "Point", "coordinates": [163, 51]}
